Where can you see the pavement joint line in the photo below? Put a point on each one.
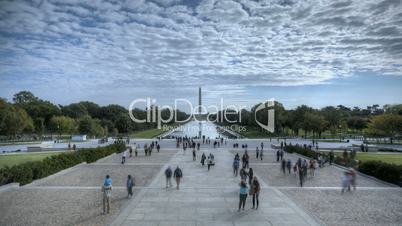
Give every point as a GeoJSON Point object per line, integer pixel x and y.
{"type": "Point", "coordinates": [217, 188]}
{"type": "Point", "coordinates": [125, 213]}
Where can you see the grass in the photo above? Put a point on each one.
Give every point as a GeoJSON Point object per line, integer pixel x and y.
{"type": "Point", "coordinates": [149, 133]}
{"type": "Point", "coordinates": [19, 143]}
{"type": "Point", "coordinates": [18, 158]}
{"type": "Point", "coordinates": [389, 158]}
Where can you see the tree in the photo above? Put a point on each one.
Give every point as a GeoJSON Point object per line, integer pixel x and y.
{"type": "Point", "coordinates": [14, 121]}
{"type": "Point", "coordinates": [123, 123]}
{"type": "Point", "coordinates": [63, 124]}
{"type": "Point", "coordinates": [76, 110]}
{"type": "Point", "coordinates": [357, 123]}
{"type": "Point", "coordinates": [385, 125]}
{"type": "Point", "coordinates": [89, 126]}
{"type": "Point", "coordinates": [24, 97]}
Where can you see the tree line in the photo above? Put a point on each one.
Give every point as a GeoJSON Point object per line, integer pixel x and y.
{"type": "Point", "coordinates": [28, 114]}
{"type": "Point", "coordinates": [371, 121]}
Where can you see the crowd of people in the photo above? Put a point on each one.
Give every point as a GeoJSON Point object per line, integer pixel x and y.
{"type": "Point", "coordinates": [249, 184]}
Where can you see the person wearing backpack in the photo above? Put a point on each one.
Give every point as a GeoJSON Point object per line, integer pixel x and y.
{"type": "Point", "coordinates": [130, 185]}
{"type": "Point", "coordinates": [178, 174]}
{"type": "Point", "coordinates": [168, 175]}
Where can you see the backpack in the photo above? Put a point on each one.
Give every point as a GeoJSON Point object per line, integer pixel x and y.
{"type": "Point", "coordinates": [179, 173]}
{"type": "Point", "coordinates": [168, 172]}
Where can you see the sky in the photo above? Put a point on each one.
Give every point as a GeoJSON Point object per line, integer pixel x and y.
{"type": "Point", "coordinates": [315, 52]}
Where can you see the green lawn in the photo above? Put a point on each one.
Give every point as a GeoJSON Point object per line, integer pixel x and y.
{"type": "Point", "coordinates": [150, 133]}
{"type": "Point", "coordinates": [18, 158]}
{"type": "Point", "coordinates": [389, 158]}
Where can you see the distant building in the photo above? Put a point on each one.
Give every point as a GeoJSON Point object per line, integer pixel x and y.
{"type": "Point", "coordinates": [79, 137]}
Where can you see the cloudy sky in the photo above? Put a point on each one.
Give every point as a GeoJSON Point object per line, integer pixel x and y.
{"type": "Point", "coordinates": [318, 52]}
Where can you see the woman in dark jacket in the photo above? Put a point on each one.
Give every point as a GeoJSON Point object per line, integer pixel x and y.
{"type": "Point", "coordinates": [255, 191]}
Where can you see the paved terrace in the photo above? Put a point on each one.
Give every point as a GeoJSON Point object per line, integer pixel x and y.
{"type": "Point", "coordinates": [205, 198]}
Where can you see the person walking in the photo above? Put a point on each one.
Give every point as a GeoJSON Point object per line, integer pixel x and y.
{"type": "Point", "coordinates": [168, 175]}
{"type": "Point", "coordinates": [283, 166]}
{"type": "Point", "coordinates": [353, 178]}
{"type": "Point", "coordinates": [123, 157]}
{"type": "Point", "coordinates": [250, 175]}
{"type": "Point", "coordinates": [277, 155]}
{"type": "Point", "coordinates": [289, 165]}
{"type": "Point", "coordinates": [255, 191]}
{"type": "Point", "coordinates": [312, 167]}
{"type": "Point", "coordinates": [107, 194]}
{"type": "Point", "coordinates": [203, 157]}
{"type": "Point", "coordinates": [243, 194]}
{"type": "Point", "coordinates": [281, 154]}
{"type": "Point", "coordinates": [346, 180]}
{"type": "Point", "coordinates": [210, 161]}
{"type": "Point", "coordinates": [261, 153]}
{"type": "Point", "coordinates": [131, 152]}
{"type": "Point", "coordinates": [129, 185]}
{"type": "Point", "coordinates": [236, 165]}
{"type": "Point", "coordinates": [331, 157]}
{"type": "Point", "coordinates": [257, 153]}
{"type": "Point", "coordinates": [194, 155]}
{"type": "Point", "coordinates": [243, 174]}
{"type": "Point", "coordinates": [301, 176]}
{"type": "Point", "coordinates": [178, 174]}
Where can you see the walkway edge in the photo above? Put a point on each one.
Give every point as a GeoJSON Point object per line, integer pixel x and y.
{"type": "Point", "coordinates": [134, 202]}
{"type": "Point", "coordinates": [62, 172]}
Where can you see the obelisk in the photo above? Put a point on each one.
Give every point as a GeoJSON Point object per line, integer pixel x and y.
{"type": "Point", "coordinates": [199, 113]}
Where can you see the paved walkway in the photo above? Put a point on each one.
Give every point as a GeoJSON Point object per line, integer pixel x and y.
{"type": "Point", "coordinates": [208, 198]}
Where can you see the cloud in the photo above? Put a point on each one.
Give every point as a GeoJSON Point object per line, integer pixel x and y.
{"type": "Point", "coordinates": [177, 45]}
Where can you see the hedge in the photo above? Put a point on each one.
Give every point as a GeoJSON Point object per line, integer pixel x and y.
{"type": "Point", "coordinates": [27, 172]}
{"type": "Point", "coordinates": [388, 172]}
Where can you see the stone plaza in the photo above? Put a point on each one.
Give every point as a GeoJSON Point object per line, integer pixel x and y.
{"type": "Point", "coordinates": [74, 197]}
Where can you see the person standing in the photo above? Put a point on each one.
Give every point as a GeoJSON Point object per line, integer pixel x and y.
{"type": "Point", "coordinates": [250, 175]}
{"type": "Point", "coordinates": [168, 175]}
{"type": "Point", "coordinates": [130, 184]}
{"type": "Point", "coordinates": [178, 174]}
{"type": "Point", "coordinates": [158, 147]}
{"type": "Point", "coordinates": [243, 194]}
{"type": "Point", "coordinates": [107, 194]}
{"type": "Point", "coordinates": [255, 191]}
